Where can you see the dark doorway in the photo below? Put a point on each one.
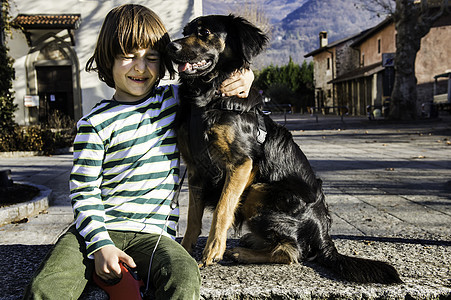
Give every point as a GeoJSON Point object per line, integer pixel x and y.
{"type": "Point", "coordinates": [55, 90]}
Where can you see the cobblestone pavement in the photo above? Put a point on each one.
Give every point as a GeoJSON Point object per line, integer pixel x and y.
{"type": "Point", "coordinates": [388, 186]}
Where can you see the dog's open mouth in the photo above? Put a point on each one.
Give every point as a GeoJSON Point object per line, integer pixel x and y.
{"type": "Point", "coordinates": [193, 68]}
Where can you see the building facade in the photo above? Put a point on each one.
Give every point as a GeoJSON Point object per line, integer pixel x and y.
{"type": "Point", "coordinates": [53, 40]}
{"type": "Point", "coordinates": [364, 74]}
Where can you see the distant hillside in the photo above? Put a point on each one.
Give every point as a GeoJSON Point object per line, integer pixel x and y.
{"type": "Point", "coordinates": [296, 24]}
{"type": "Point", "coordinates": [275, 10]}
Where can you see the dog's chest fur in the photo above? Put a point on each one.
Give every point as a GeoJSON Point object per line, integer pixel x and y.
{"type": "Point", "coordinates": [214, 138]}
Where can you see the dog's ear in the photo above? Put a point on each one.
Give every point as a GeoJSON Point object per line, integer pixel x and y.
{"type": "Point", "coordinates": [252, 40]}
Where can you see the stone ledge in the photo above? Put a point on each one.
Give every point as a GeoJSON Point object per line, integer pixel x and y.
{"type": "Point", "coordinates": [422, 266]}
{"type": "Point", "coordinates": [20, 211]}
{"type": "Point", "coordinates": [425, 277]}
{"type": "Point", "coordinates": [17, 154]}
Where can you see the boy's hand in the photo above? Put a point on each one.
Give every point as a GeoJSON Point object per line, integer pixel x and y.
{"type": "Point", "coordinates": [238, 84]}
{"type": "Point", "coordinates": [107, 260]}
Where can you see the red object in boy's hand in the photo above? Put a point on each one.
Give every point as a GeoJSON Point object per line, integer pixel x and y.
{"type": "Point", "coordinates": [126, 288]}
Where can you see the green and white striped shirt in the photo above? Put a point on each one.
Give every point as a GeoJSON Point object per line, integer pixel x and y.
{"type": "Point", "coordinates": [126, 168]}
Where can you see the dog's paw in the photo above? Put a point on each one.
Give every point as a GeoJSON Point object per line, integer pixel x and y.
{"type": "Point", "coordinates": [213, 252]}
{"type": "Point", "coordinates": [234, 254]}
{"type": "Point", "coordinates": [205, 263]}
{"type": "Point", "coordinates": [208, 261]}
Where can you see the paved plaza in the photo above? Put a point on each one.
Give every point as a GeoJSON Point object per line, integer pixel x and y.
{"type": "Point", "coordinates": [388, 186]}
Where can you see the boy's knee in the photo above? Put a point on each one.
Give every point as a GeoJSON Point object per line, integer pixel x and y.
{"type": "Point", "coordinates": [49, 287]}
{"type": "Point", "coordinates": [184, 271]}
{"type": "Point", "coordinates": [179, 280]}
{"type": "Point", "coordinates": [38, 289]}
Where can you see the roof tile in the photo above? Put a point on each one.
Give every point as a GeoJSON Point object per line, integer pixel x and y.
{"type": "Point", "coordinates": [47, 21]}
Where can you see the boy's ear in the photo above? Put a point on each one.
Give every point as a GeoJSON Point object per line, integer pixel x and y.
{"type": "Point", "coordinates": [252, 40]}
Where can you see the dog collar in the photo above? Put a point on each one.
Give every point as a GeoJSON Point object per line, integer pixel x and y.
{"type": "Point", "coordinates": [239, 107]}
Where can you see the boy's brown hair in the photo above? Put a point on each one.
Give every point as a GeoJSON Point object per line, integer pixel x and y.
{"type": "Point", "coordinates": [126, 28]}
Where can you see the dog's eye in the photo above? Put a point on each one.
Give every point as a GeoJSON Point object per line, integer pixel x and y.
{"type": "Point", "coordinates": [202, 32]}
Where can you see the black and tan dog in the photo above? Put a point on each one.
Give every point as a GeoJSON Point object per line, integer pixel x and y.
{"type": "Point", "coordinates": [247, 167]}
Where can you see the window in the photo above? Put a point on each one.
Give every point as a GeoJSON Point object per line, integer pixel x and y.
{"type": "Point", "coordinates": [328, 63]}
{"type": "Point", "coordinates": [378, 46]}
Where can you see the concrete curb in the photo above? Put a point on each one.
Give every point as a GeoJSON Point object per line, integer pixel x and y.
{"type": "Point", "coordinates": [20, 211]}
{"type": "Point", "coordinates": [17, 154]}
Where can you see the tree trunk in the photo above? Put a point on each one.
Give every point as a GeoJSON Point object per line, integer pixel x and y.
{"type": "Point", "coordinates": [412, 23]}
{"type": "Point", "coordinates": [404, 95]}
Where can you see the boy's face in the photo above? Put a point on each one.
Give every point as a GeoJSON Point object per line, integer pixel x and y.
{"type": "Point", "coordinates": [135, 74]}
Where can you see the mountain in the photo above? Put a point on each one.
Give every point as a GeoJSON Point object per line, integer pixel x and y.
{"type": "Point", "coordinates": [275, 10]}
{"type": "Point", "coordinates": [295, 24]}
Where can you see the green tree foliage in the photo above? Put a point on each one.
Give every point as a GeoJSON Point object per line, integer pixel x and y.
{"type": "Point", "coordinates": [7, 106]}
{"type": "Point", "coordinates": [7, 75]}
{"type": "Point", "coordinates": [289, 84]}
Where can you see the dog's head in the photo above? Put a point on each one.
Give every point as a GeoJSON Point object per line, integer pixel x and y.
{"type": "Point", "coordinates": [216, 45]}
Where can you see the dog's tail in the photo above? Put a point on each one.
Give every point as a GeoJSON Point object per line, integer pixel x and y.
{"type": "Point", "coordinates": [350, 268]}
{"type": "Point", "coordinates": [357, 269]}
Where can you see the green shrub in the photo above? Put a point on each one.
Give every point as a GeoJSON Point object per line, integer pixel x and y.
{"type": "Point", "coordinates": [36, 138]}
{"type": "Point", "coordinates": [58, 120]}
{"type": "Point", "coordinates": [32, 138]}
{"type": "Point", "coordinates": [58, 132]}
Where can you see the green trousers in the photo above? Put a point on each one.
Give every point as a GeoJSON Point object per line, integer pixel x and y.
{"type": "Point", "coordinates": [66, 270]}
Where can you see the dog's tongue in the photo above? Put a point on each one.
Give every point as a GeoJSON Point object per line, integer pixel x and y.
{"type": "Point", "coordinates": [183, 67]}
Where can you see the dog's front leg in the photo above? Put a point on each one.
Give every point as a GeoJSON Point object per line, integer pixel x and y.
{"type": "Point", "coordinates": [236, 181]}
{"type": "Point", "coordinates": [194, 222]}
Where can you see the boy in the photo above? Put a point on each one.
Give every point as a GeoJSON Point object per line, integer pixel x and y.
{"type": "Point", "coordinates": [126, 170]}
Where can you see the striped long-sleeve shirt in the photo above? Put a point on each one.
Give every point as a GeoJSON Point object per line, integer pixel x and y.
{"type": "Point", "coordinates": [126, 168]}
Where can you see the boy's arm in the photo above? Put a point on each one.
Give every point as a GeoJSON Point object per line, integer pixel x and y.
{"type": "Point", "coordinates": [238, 84]}
{"type": "Point", "coordinates": [85, 181]}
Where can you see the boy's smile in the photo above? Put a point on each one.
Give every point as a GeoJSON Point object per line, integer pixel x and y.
{"type": "Point", "coordinates": [135, 74]}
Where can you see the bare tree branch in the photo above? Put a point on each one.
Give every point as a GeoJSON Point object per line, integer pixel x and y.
{"type": "Point", "coordinates": [252, 12]}
{"type": "Point", "coordinates": [380, 7]}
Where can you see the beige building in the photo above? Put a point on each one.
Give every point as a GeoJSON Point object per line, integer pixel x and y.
{"type": "Point", "coordinates": [362, 70]}
{"type": "Point", "coordinates": [329, 61]}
